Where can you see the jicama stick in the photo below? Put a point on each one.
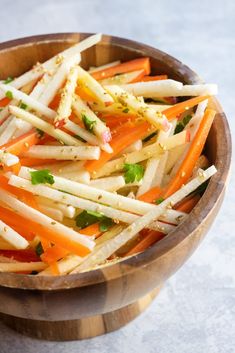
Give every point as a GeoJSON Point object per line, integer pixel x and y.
{"type": "Point", "coordinates": [142, 109]}
{"type": "Point", "coordinates": [128, 233]}
{"type": "Point", "coordinates": [80, 176]}
{"type": "Point", "coordinates": [102, 67]}
{"type": "Point", "coordinates": [22, 266]}
{"type": "Point", "coordinates": [109, 184]}
{"type": "Point", "coordinates": [82, 110]}
{"type": "Point", "coordinates": [4, 113]}
{"type": "Point", "coordinates": [169, 88]}
{"type": "Point", "coordinates": [7, 158]}
{"type": "Point", "coordinates": [64, 110]}
{"type": "Point", "coordinates": [123, 79]}
{"type": "Point", "coordinates": [85, 79]}
{"type": "Point", "coordinates": [149, 151]}
{"type": "Point", "coordinates": [135, 146]}
{"type": "Point", "coordinates": [44, 126]}
{"type": "Point", "coordinates": [64, 232]}
{"type": "Point", "coordinates": [50, 64]}
{"type": "Point", "coordinates": [12, 237]}
{"type": "Point", "coordinates": [67, 210]}
{"type": "Point", "coordinates": [51, 212]}
{"type": "Point", "coordinates": [9, 131]}
{"type": "Point", "coordinates": [63, 152]}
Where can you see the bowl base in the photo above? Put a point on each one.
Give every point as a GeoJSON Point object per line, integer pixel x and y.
{"type": "Point", "coordinates": [86, 327]}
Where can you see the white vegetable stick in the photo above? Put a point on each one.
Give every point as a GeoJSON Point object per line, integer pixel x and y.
{"type": "Point", "coordinates": [128, 233]}
{"type": "Point", "coordinates": [85, 79]}
{"type": "Point", "coordinates": [8, 159]}
{"type": "Point", "coordinates": [4, 113]}
{"type": "Point", "coordinates": [91, 193]}
{"type": "Point", "coordinates": [81, 109]}
{"type": "Point", "coordinates": [51, 212]}
{"type": "Point", "coordinates": [40, 86]}
{"type": "Point", "coordinates": [136, 146]}
{"type": "Point", "coordinates": [5, 124]}
{"type": "Point", "coordinates": [102, 67]}
{"type": "Point", "coordinates": [160, 172]}
{"type": "Point", "coordinates": [149, 151]}
{"type": "Point", "coordinates": [110, 183]}
{"type": "Point", "coordinates": [26, 127]}
{"type": "Point", "coordinates": [77, 202]}
{"type": "Point", "coordinates": [9, 131]}
{"type": "Point", "coordinates": [159, 107]}
{"type": "Point", "coordinates": [80, 177]}
{"type": "Point", "coordinates": [168, 88]}
{"type": "Point", "coordinates": [121, 79]}
{"type": "Point", "coordinates": [63, 152]}
{"type": "Point", "coordinates": [44, 126]}
{"type": "Point", "coordinates": [67, 210]}
{"type": "Point", "coordinates": [66, 167]}
{"type": "Point", "coordinates": [50, 64]}
{"type": "Point", "coordinates": [141, 108]}
{"type": "Point", "coordinates": [36, 216]}
{"type": "Point", "coordinates": [64, 110]}
{"type": "Point", "coordinates": [4, 245]}
{"type": "Point", "coordinates": [22, 266]}
{"type": "Point", "coordinates": [12, 237]}
{"type": "Point", "coordinates": [173, 156]}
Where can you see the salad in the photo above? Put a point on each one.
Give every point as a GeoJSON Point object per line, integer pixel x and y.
{"type": "Point", "coordinates": [96, 165]}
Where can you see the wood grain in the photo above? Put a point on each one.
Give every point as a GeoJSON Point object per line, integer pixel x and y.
{"type": "Point", "coordinates": [113, 292]}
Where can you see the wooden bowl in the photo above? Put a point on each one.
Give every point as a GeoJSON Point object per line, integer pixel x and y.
{"type": "Point", "coordinates": [89, 304]}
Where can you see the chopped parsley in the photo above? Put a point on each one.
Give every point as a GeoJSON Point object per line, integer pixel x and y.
{"type": "Point", "coordinates": [126, 110]}
{"type": "Point", "coordinates": [133, 172]}
{"type": "Point", "coordinates": [87, 218]}
{"type": "Point", "coordinates": [8, 80]}
{"type": "Point", "coordinates": [9, 94]}
{"type": "Point", "coordinates": [147, 138]}
{"type": "Point", "coordinates": [23, 105]}
{"type": "Point", "coordinates": [181, 124]}
{"type": "Point", "coordinates": [40, 132]}
{"type": "Point", "coordinates": [39, 250]}
{"type": "Point", "coordinates": [89, 123]}
{"type": "Point", "coordinates": [160, 200]}
{"type": "Point", "coordinates": [42, 177]}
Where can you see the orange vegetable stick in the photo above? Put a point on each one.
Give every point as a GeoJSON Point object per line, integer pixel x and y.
{"type": "Point", "coordinates": [154, 78]}
{"type": "Point", "coordinates": [4, 101]}
{"type": "Point", "coordinates": [54, 269]}
{"type": "Point", "coordinates": [114, 120]}
{"type": "Point", "coordinates": [31, 162]}
{"type": "Point", "coordinates": [13, 168]}
{"type": "Point", "coordinates": [151, 195]}
{"type": "Point", "coordinates": [179, 108]}
{"type": "Point", "coordinates": [188, 204]}
{"type": "Point", "coordinates": [54, 254]}
{"type": "Point", "coordinates": [186, 168]}
{"type": "Point", "coordinates": [133, 65]}
{"type": "Point", "coordinates": [92, 230]}
{"type": "Point", "coordinates": [22, 143]}
{"type": "Point", "coordinates": [148, 240]}
{"type": "Point", "coordinates": [126, 135]}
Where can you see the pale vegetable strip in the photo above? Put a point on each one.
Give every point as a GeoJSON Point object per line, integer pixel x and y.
{"type": "Point", "coordinates": [22, 266]}
{"type": "Point", "coordinates": [63, 152]}
{"type": "Point", "coordinates": [168, 88]}
{"type": "Point", "coordinates": [123, 79]}
{"type": "Point", "coordinates": [9, 131]}
{"type": "Point", "coordinates": [50, 64]}
{"type": "Point", "coordinates": [8, 159]}
{"type": "Point", "coordinates": [82, 110]}
{"type": "Point", "coordinates": [86, 80]}
{"type": "Point", "coordinates": [127, 234]}
{"type": "Point", "coordinates": [64, 110]}
{"type": "Point", "coordinates": [51, 212]}
{"type": "Point", "coordinates": [141, 108]}
{"type": "Point", "coordinates": [109, 184]}
{"type": "Point", "coordinates": [28, 212]}
{"type": "Point", "coordinates": [12, 237]}
{"type": "Point", "coordinates": [44, 126]}
{"type": "Point", "coordinates": [67, 210]}
{"type": "Point", "coordinates": [102, 67]}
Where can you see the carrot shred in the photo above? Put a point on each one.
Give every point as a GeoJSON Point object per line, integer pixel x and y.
{"type": "Point", "coordinates": [151, 195]}
{"type": "Point", "coordinates": [125, 136]}
{"type": "Point", "coordinates": [54, 254]}
{"type": "Point", "coordinates": [188, 204]}
{"type": "Point", "coordinates": [147, 240]}
{"type": "Point", "coordinates": [179, 108]}
{"type": "Point", "coordinates": [4, 102]}
{"type": "Point", "coordinates": [186, 168]}
{"type": "Point", "coordinates": [54, 268]}
{"type": "Point", "coordinates": [92, 230]}
{"type": "Point", "coordinates": [31, 162]}
{"type": "Point", "coordinates": [154, 78]}
{"type": "Point", "coordinates": [133, 65]}
{"type": "Point", "coordinates": [22, 143]}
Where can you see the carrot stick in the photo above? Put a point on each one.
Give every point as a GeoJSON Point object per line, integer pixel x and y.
{"type": "Point", "coordinates": [154, 78]}
{"type": "Point", "coordinates": [92, 230]}
{"type": "Point", "coordinates": [133, 65]}
{"type": "Point", "coordinates": [54, 269]}
{"type": "Point", "coordinates": [188, 204]}
{"type": "Point", "coordinates": [148, 240]}
{"type": "Point", "coordinates": [114, 120]}
{"type": "Point", "coordinates": [22, 143]}
{"type": "Point", "coordinates": [186, 168]}
{"type": "Point", "coordinates": [4, 101]}
{"type": "Point", "coordinates": [179, 108]}
{"type": "Point", "coordinates": [127, 134]}
{"type": "Point", "coordinates": [54, 254]}
{"type": "Point", "coordinates": [13, 168]}
{"type": "Point", "coordinates": [151, 195]}
{"type": "Point", "coordinates": [31, 162]}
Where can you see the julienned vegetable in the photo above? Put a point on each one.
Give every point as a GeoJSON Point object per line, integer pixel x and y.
{"type": "Point", "coordinates": [88, 164]}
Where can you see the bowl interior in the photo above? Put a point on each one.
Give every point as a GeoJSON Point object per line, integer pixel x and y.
{"type": "Point", "coordinates": [20, 55]}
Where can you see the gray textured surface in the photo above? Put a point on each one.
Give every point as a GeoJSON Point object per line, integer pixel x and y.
{"type": "Point", "coordinates": [195, 312]}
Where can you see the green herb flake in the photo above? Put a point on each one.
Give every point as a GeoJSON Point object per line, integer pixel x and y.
{"type": "Point", "coordinates": [133, 172]}
{"type": "Point", "coordinates": [39, 250]}
{"type": "Point", "coordinates": [40, 132]}
{"type": "Point", "coordinates": [9, 94]}
{"type": "Point", "coordinates": [42, 177]}
{"type": "Point", "coordinates": [160, 200]}
{"type": "Point", "coordinates": [182, 124]}
{"type": "Point", "coordinates": [8, 80]}
{"type": "Point", "coordinates": [89, 123]}
{"type": "Point", "coordinates": [23, 105]}
{"type": "Point", "coordinates": [105, 224]}
{"type": "Point", "coordinates": [87, 218]}
{"type": "Point", "coordinates": [147, 138]}
{"type": "Point", "coordinates": [126, 110]}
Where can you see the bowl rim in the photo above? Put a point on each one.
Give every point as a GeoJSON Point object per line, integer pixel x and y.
{"type": "Point", "coordinates": [210, 199]}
